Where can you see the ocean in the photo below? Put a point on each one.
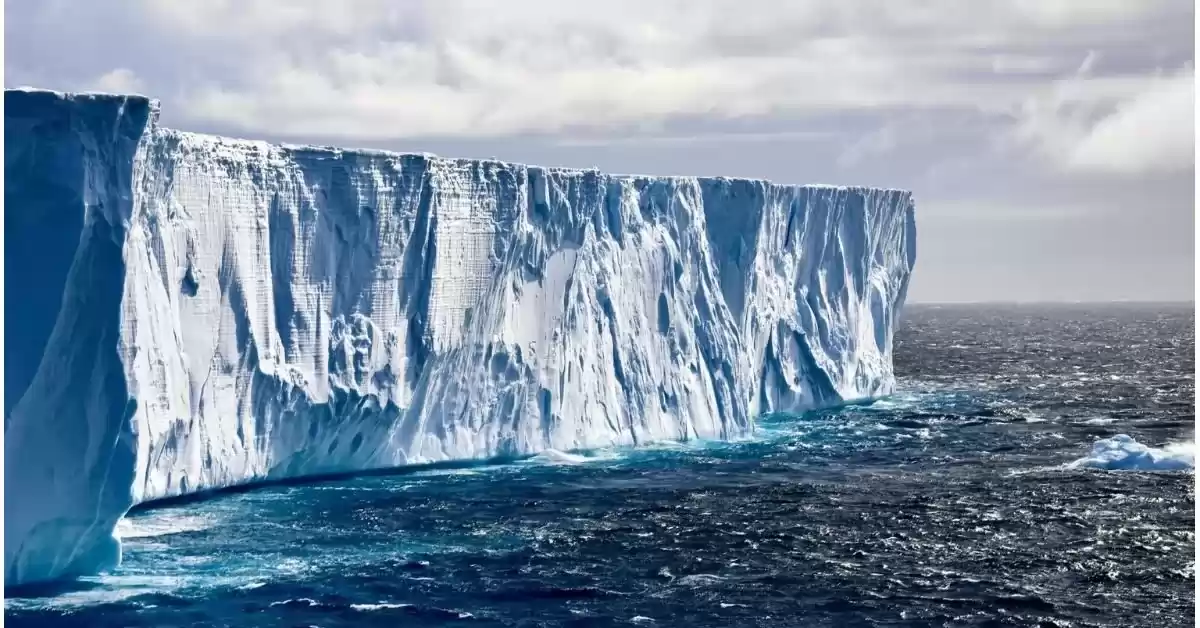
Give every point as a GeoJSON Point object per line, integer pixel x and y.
{"type": "Point", "coordinates": [1034, 468]}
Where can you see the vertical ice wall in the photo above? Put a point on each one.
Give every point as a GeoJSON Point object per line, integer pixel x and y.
{"type": "Point", "coordinates": [68, 457]}
{"type": "Point", "coordinates": [226, 311]}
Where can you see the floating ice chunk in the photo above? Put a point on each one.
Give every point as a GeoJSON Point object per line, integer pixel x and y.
{"type": "Point", "coordinates": [1123, 453]}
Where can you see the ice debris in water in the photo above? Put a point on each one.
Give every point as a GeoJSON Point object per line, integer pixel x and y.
{"type": "Point", "coordinates": [1123, 453]}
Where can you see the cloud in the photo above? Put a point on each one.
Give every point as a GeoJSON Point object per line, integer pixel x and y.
{"type": "Point", "coordinates": [1147, 127]}
{"type": "Point", "coordinates": [378, 70]}
{"type": "Point", "coordinates": [118, 81]}
{"type": "Point", "coordinates": [1154, 131]}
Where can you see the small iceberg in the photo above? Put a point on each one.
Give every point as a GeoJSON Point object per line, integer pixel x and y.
{"type": "Point", "coordinates": [1123, 453]}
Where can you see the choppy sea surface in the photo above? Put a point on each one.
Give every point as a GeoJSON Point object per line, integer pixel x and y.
{"type": "Point", "coordinates": [975, 496]}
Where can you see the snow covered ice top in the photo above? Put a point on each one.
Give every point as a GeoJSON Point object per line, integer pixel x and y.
{"type": "Point", "coordinates": [187, 312]}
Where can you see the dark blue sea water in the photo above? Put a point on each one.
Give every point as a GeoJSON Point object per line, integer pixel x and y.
{"type": "Point", "coordinates": [952, 503]}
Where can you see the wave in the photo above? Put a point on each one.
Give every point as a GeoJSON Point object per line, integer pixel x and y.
{"type": "Point", "coordinates": [554, 456]}
{"type": "Point", "coordinates": [162, 523]}
{"type": "Point", "coordinates": [379, 606]}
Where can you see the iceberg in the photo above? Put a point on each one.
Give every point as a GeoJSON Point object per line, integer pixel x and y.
{"type": "Point", "coordinates": [186, 312]}
{"type": "Point", "coordinates": [1123, 453]}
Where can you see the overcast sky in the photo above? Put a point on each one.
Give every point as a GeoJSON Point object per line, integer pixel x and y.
{"type": "Point", "coordinates": [1049, 143]}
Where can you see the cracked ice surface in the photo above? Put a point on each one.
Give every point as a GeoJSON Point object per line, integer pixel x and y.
{"type": "Point", "coordinates": [187, 312]}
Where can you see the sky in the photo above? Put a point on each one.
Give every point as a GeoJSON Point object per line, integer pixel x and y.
{"type": "Point", "coordinates": [1049, 144]}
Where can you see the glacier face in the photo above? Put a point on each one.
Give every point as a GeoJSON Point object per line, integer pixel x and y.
{"type": "Point", "coordinates": [187, 312]}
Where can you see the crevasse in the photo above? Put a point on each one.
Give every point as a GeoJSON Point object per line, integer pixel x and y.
{"type": "Point", "coordinates": [186, 312]}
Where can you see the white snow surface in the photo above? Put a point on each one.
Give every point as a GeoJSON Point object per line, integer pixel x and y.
{"type": "Point", "coordinates": [1123, 453]}
{"type": "Point", "coordinates": [187, 312]}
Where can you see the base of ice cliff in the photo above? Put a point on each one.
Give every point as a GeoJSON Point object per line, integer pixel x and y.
{"type": "Point", "coordinates": [187, 312]}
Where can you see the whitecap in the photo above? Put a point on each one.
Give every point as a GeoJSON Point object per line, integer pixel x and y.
{"type": "Point", "coordinates": [380, 606]}
{"type": "Point", "coordinates": [698, 580]}
{"type": "Point", "coordinates": [555, 456]}
{"type": "Point", "coordinates": [162, 523]}
{"type": "Point", "coordinates": [116, 589]}
{"type": "Point", "coordinates": [304, 600]}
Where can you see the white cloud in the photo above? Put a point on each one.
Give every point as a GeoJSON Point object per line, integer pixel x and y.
{"type": "Point", "coordinates": [1146, 126]}
{"type": "Point", "coordinates": [374, 69]}
{"type": "Point", "coordinates": [118, 81]}
{"type": "Point", "coordinates": [1153, 132]}
{"type": "Point", "coordinates": [380, 70]}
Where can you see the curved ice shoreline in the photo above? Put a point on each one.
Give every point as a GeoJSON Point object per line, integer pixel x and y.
{"type": "Point", "coordinates": [187, 312]}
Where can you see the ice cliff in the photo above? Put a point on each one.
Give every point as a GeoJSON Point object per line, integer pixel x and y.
{"type": "Point", "coordinates": [187, 312]}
